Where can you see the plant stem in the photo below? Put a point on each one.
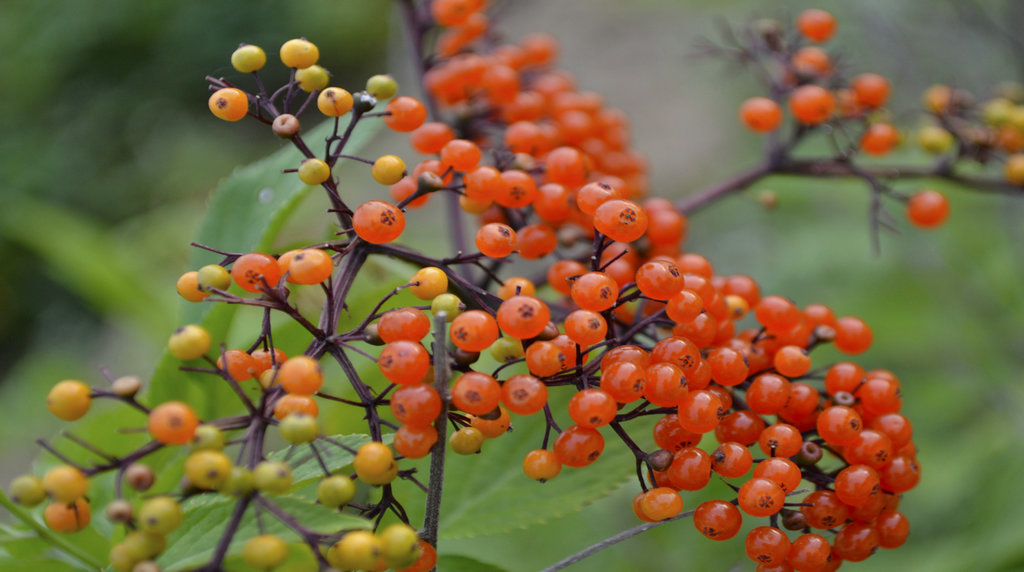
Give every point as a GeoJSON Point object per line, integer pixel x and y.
{"type": "Point", "coordinates": [615, 539]}
{"type": "Point", "coordinates": [433, 507]}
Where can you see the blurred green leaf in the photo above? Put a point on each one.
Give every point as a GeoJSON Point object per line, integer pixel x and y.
{"type": "Point", "coordinates": [85, 258]}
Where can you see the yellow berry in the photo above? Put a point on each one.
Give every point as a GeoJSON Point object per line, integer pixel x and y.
{"type": "Point", "coordinates": [466, 441]}
{"type": "Point", "coordinates": [357, 550]}
{"type": "Point", "coordinates": [375, 464]}
{"type": "Point", "coordinates": [382, 86]}
{"type": "Point", "coordinates": [207, 469]}
{"type": "Point", "coordinates": [65, 484]}
{"type": "Point", "coordinates": [248, 58]}
{"type": "Point", "coordinates": [69, 399]}
{"type": "Point", "coordinates": [214, 276]}
{"type": "Point", "coordinates": [428, 283]}
{"type": "Point", "coordinates": [312, 78]}
{"type": "Point", "coordinates": [189, 342]}
{"type": "Point", "coordinates": [264, 551]}
{"type": "Point", "coordinates": [299, 53]}
{"type": "Point", "coordinates": [188, 287]}
{"type": "Point", "coordinates": [388, 169]}
{"type": "Point", "coordinates": [314, 171]}
{"type": "Point", "coordinates": [334, 102]}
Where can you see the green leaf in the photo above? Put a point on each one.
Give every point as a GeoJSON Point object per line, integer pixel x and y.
{"type": "Point", "coordinates": [486, 494]}
{"type": "Point", "coordinates": [85, 258]}
{"type": "Point", "coordinates": [245, 214]}
{"type": "Point", "coordinates": [306, 468]}
{"type": "Point", "coordinates": [207, 516]}
{"type": "Point", "coordinates": [459, 563]}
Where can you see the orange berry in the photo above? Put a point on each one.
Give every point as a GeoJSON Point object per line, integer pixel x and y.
{"type": "Point", "coordinates": [812, 104]}
{"type": "Point", "coordinates": [817, 25]}
{"type": "Point", "coordinates": [172, 423]}
{"type": "Point", "coordinates": [229, 104]}
{"type": "Point", "coordinates": [378, 222]}
{"type": "Point", "coordinates": [761, 114]}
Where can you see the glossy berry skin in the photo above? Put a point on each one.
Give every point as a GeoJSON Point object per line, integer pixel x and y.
{"type": "Point", "coordinates": [621, 220]}
{"type": "Point", "coordinates": [248, 58]}
{"type": "Point", "coordinates": [761, 497]}
{"type": "Point", "coordinates": [429, 283]}
{"type": "Point", "coordinates": [541, 465]}
{"type": "Point", "coordinates": [816, 24]}
{"type": "Point", "coordinates": [334, 102]}
{"type": "Point", "coordinates": [255, 271]}
{"type": "Point", "coordinates": [466, 441]}
{"type": "Point", "coordinates": [761, 114]}
{"type": "Point", "coordinates": [404, 362]}
{"type": "Point", "coordinates": [928, 209]}
{"type": "Point", "coordinates": [476, 393]}
{"type": "Point", "coordinates": [229, 104]}
{"type": "Point", "coordinates": [717, 519]}
{"type": "Point", "coordinates": [523, 317]}
{"type": "Point", "coordinates": [405, 114]}
{"type": "Point", "coordinates": [378, 222]}
{"type": "Point", "coordinates": [661, 503]}
{"type": "Point", "coordinates": [375, 463]}
{"type": "Point", "coordinates": [473, 331]}
{"type": "Point", "coordinates": [496, 240]}
{"type": "Point", "coordinates": [415, 441]}
{"type": "Point", "coordinates": [524, 394]}
{"type": "Point", "coordinates": [767, 545]}
{"type": "Point", "coordinates": [578, 446]}
{"type": "Point", "coordinates": [65, 483]}
{"type": "Point", "coordinates": [299, 53]}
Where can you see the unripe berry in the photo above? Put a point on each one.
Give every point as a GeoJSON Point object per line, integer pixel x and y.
{"type": "Point", "coordinates": [239, 483]}
{"type": "Point", "coordinates": [335, 491]}
{"type": "Point", "coordinates": [357, 550]}
{"type": "Point", "coordinates": [382, 86]}
{"type": "Point", "coordinates": [27, 490]}
{"type": "Point", "coordinates": [466, 441]}
{"type": "Point", "coordinates": [142, 545]}
{"type": "Point", "coordinates": [312, 78]}
{"type": "Point", "coordinates": [207, 437]}
{"type": "Point", "coordinates": [314, 171]}
{"type": "Point", "coordinates": [264, 551]}
{"type": "Point", "coordinates": [447, 303]}
{"type": "Point", "coordinates": [272, 477]}
{"type": "Point", "coordinates": [298, 428]}
{"type": "Point", "coordinates": [189, 342]}
{"type": "Point", "coordinates": [207, 469]}
{"type": "Point", "coordinates": [248, 58]}
{"type": "Point", "coordinates": [160, 515]}
{"type": "Point", "coordinates": [399, 545]}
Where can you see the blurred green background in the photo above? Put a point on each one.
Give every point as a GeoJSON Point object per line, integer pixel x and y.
{"type": "Point", "coordinates": [108, 155]}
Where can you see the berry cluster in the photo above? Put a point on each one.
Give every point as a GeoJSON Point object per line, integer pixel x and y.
{"type": "Point", "coordinates": [633, 330]}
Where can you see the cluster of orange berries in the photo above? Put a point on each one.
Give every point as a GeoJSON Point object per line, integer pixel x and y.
{"type": "Point", "coordinates": [638, 328]}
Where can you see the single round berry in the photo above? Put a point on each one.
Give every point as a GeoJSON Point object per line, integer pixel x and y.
{"type": "Point", "coordinates": [299, 428]}
{"type": "Point", "coordinates": [382, 86]}
{"type": "Point", "coordinates": [172, 423]}
{"type": "Point", "coordinates": [229, 104]}
{"type": "Point", "coordinates": [717, 519]}
{"type": "Point", "coordinates": [541, 465]}
{"type": "Point", "coordinates": [248, 58]}
{"type": "Point", "coordinates": [272, 477]}
{"type": "Point", "coordinates": [189, 342]}
{"type": "Point", "coordinates": [466, 441]}
{"type": "Point", "coordinates": [430, 283]}
{"type": "Point", "coordinates": [761, 114]}
{"type": "Point", "coordinates": [334, 102]}
{"type": "Point", "coordinates": [312, 78]}
{"type": "Point", "coordinates": [188, 287]}
{"type": "Point", "coordinates": [399, 545]}
{"type": "Point", "coordinates": [816, 24]}
{"type": "Point", "coordinates": [388, 169]}
{"type": "Point", "coordinates": [299, 53]}
{"type": "Point", "coordinates": [314, 171]}
{"type": "Point", "coordinates": [357, 550]}
{"type": "Point", "coordinates": [375, 463]}
{"type": "Point", "coordinates": [378, 222]}
{"type": "Point", "coordinates": [69, 399]}
{"type": "Point", "coordinates": [67, 517]}
{"type": "Point", "coordinates": [255, 271]}
{"type": "Point", "coordinates": [335, 491]}
{"type": "Point", "coordinates": [207, 469]}
{"type": "Point", "coordinates": [928, 209]}
{"type": "Point", "coordinates": [160, 515]}
{"type": "Point", "coordinates": [27, 490]}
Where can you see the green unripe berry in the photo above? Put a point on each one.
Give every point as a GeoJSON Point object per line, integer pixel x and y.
{"type": "Point", "coordinates": [272, 477]}
{"type": "Point", "coordinates": [121, 559]}
{"type": "Point", "coordinates": [935, 139]}
{"type": "Point", "coordinates": [142, 545]}
{"type": "Point", "coordinates": [214, 276]}
{"type": "Point", "coordinates": [126, 386]}
{"type": "Point", "coordinates": [314, 171]}
{"type": "Point", "coordinates": [506, 349]}
{"type": "Point", "coordinates": [312, 78]}
{"type": "Point", "coordinates": [466, 441]}
{"type": "Point", "coordinates": [264, 551]}
{"type": "Point", "coordinates": [248, 58]}
{"type": "Point", "coordinates": [239, 483]}
{"type": "Point", "coordinates": [299, 428]}
{"type": "Point", "coordinates": [388, 169]}
{"type": "Point", "coordinates": [207, 469]}
{"type": "Point", "coordinates": [357, 550]}
{"type": "Point", "coordinates": [382, 86]}
{"type": "Point", "coordinates": [119, 511]}
{"type": "Point", "coordinates": [160, 515]}
{"type": "Point", "coordinates": [447, 303]}
{"type": "Point", "coordinates": [299, 53]}
{"type": "Point", "coordinates": [189, 342]}
{"type": "Point", "coordinates": [27, 490]}
{"type": "Point", "coordinates": [335, 491]}
{"type": "Point", "coordinates": [399, 545]}
{"type": "Point", "coordinates": [207, 437]}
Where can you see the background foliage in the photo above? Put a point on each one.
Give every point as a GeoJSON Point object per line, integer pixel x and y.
{"type": "Point", "coordinates": [109, 155]}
